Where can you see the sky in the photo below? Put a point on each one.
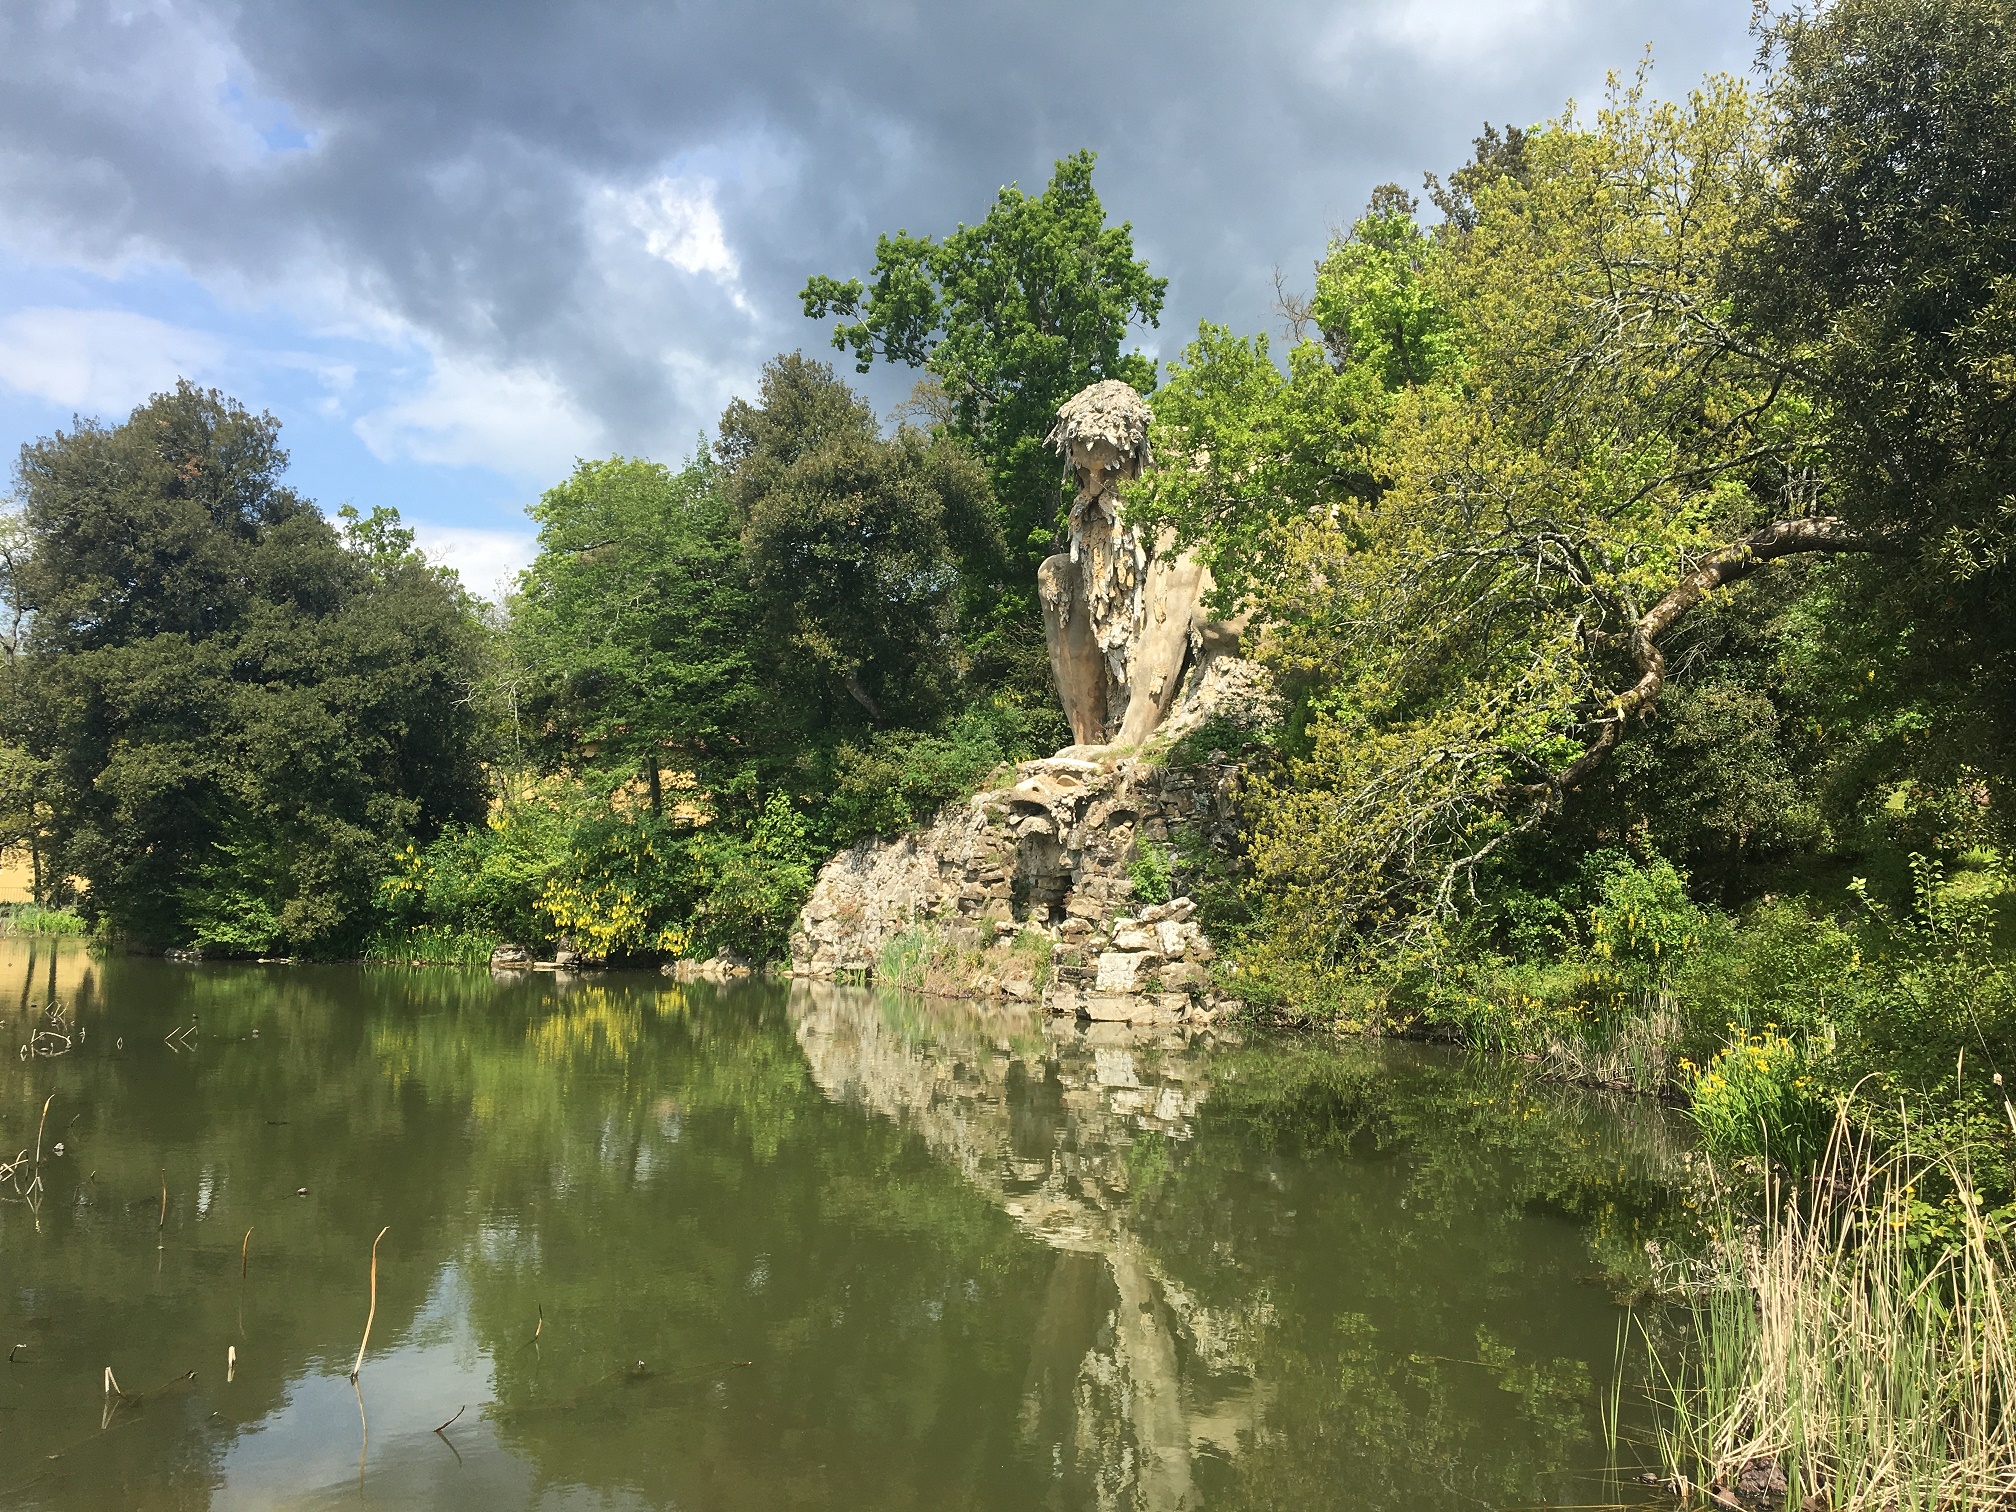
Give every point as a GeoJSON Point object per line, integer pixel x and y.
{"type": "Point", "coordinates": [453, 246]}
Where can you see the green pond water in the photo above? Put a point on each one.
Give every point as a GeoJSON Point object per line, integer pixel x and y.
{"type": "Point", "coordinates": [772, 1247]}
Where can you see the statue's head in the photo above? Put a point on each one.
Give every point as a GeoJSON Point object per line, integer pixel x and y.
{"type": "Point", "coordinates": [1102, 433]}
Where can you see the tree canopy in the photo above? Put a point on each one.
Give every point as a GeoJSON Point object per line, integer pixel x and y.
{"type": "Point", "coordinates": [1500, 507]}
{"type": "Point", "coordinates": [236, 711]}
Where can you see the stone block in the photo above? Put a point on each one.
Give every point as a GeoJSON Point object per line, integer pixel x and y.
{"type": "Point", "coordinates": [1120, 970]}
{"type": "Point", "coordinates": [1135, 937]}
{"type": "Point", "coordinates": [1171, 937]}
{"type": "Point", "coordinates": [1109, 1007]}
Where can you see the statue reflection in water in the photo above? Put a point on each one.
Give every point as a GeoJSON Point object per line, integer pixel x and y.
{"type": "Point", "coordinates": [1130, 1379]}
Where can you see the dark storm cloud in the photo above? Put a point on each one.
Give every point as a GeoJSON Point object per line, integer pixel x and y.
{"type": "Point", "coordinates": [462, 168]}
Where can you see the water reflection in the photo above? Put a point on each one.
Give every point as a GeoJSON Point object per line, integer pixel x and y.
{"type": "Point", "coordinates": [686, 1246]}
{"type": "Point", "coordinates": [1043, 1117]}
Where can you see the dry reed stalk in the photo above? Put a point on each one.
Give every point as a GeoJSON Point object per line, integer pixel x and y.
{"type": "Point", "coordinates": [164, 1199]}
{"type": "Point", "coordinates": [244, 1249]}
{"type": "Point", "coordinates": [1868, 1369]}
{"type": "Point", "coordinates": [369, 1316]}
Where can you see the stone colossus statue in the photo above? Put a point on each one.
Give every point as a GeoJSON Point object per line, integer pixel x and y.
{"type": "Point", "coordinates": [1124, 617]}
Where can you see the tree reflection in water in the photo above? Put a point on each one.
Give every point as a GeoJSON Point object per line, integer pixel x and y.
{"type": "Point", "coordinates": [975, 1259]}
{"type": "Point", "coordinates": [1165, 1167]}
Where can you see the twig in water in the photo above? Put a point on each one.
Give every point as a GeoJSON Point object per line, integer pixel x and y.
{"type": "Point", "coordinates": [458, 1412]}
{"type": "Point", "coordinates": [447, 1440]}
{"type": "Point", "coordinates": [244, 1246]}
{"type": "Point", "coordinates": [368, 1317]}
{"type": "Point", "coordinates": [537, 1329]}
{"type": "Point", "coordinates": [112, 1383]}
{"type": "Point", "coordinates": [363, 1423]}
{"type": "Point", "coordinates": [164, 1199]}
{"type": "Point", "coordinates": [230, 1363]}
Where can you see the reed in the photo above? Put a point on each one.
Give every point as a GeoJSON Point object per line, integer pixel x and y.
{"type": "Point", "coordinates": [1841, 1359]}
{"type": "Point", "coordinates": [35, 919]}
{"type": "Point", "coordinates": [370, 1316]}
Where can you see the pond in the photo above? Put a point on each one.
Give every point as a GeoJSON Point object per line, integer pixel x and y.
{"type": "Point", "coordinates": [772, 1246]}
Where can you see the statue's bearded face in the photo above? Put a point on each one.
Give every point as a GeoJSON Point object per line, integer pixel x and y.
{"type": "Point", "coordinates": [1096, 464]}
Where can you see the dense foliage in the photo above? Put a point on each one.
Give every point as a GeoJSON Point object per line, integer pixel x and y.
{"type": "Point", "coordinates": [1634, 546]}
{"type": "Point", "coordinates": [232, 711]}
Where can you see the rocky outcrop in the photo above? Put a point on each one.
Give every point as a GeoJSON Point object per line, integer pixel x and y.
{"type": "Point", "coordinates": [1028, 886]}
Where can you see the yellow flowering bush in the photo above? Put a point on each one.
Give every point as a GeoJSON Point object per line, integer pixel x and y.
{"type": "Point", "coordinates": [607, 918]}
{"type": "Point", "coordinates": [1758, 1097]}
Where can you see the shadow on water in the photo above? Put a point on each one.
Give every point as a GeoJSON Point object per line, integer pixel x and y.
{"type": "Point", "coordinates": [783, 1247]}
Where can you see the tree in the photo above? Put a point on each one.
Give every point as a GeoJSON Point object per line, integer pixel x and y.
{"type": "Point", "coordinates": [1882, 273]}
{"type": "Point", "coordinates": [1569, 445]}
{"type": "Point", "coordinates": [235, 711]}
{"type": "Point", "coordinates": [848, 539]}
{"type": "Point", "coordinates": [1010, 317]}
{"type": "Point", "coordinates": [632, 623]}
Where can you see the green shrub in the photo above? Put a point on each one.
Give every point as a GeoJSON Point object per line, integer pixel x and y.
{"type": "Point", "coordinates": [752, 888]}
{"type": "Point", "coordinates": [1642, 925]}
{"type": "Point", "coordinates": [901, 778]}
{"type": "Point", "coordinates": [488, 878]}
{"type": "Point", "coordinates": [1153, 872]}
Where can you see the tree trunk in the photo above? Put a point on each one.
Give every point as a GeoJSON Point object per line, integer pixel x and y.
{"type": "Point", "coordinates": [656, 789]}
{"type": "Point", "coordinates": [860, 695]}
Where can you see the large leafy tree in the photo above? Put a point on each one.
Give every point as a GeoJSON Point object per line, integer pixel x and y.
{"type": "Point", "coordinates": [1882, 274]}
{"type": "Point", "coordinates": [1009, 317]}
{"type": "Point", "coordinates": [849, 543]}
{"type": "Point", "coordinates": [1642, 361]}
{"type": "Point", "coordinates": [1556, 443]}
{"type": "Point", "coordinates": [235, 710]}
{"type": "Point", "coordinates": [631, 626]}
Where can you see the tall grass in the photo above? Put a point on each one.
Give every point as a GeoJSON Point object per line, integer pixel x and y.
{"type": "Point", "coordinates": [435, 945]}
{"type": "Point", "coordinates": [36, 919]}
{"type": "Point", "coordinates": [1853, 1351]}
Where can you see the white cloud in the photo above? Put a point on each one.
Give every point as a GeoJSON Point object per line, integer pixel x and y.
{"type": "Point", "coordinates": [488, 560]}
{"type": "Point", "coordinates": [1468, 27]}
{"type": "Point", "coordinates": [103, 361]}
{"type": "Point", "coordinates": [681, 226]}
{"type": "Point", "coordinates": [514, 420]}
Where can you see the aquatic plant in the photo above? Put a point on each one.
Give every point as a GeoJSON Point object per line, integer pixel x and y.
{"type": "Point", "coordinates": [1852, 1351]}
{"type": "Point", "coordinates": [39, 919]}
{"type": "Point", "coordinates": [1758, 1096]}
